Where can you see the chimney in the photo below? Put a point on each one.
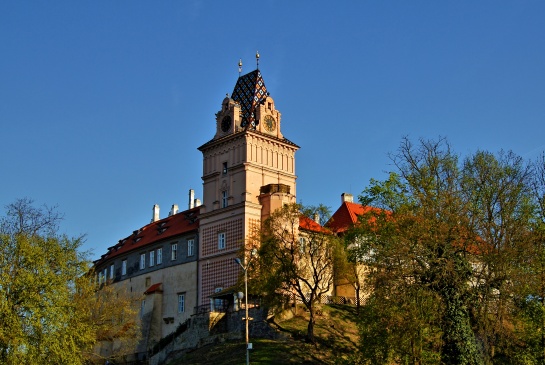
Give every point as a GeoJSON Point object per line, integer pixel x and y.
{"type": "Point", "coordinates": [173, 210]}
{"type": "Point", "coordinates": [155, 216]}
{"type": "Point", "coordinates": [317, 217]}
{"type": "Point", "coordinates": [191, 198]}
{"type": "Point", "coordinates": [197, 203]}
{"type": "Point", "coordinates": [345, 197]}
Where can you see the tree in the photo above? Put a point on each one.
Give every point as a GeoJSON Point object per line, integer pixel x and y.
{"type": "Point", "coordinates": [532, 297]}
{"type": "Point", "coordinates": [497, 192]}
{"type": "Point", "coordinates": [296, 257]}
{"type": "Point", "coordinates": [446, 251]}
{"type": "Point", "coordinates": [50, 311]}
{"type": "Point", "coordinates": [40, 275]}
{"type": "Point", "coordinates": [349, 265]}
{"type": "Point", "coordinates": [113, 316]}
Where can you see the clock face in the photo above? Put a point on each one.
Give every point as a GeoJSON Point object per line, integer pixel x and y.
{"type": "Point", "coordinates": [270, 123]}
{"type": "Point", "coordinates": [226, 123]}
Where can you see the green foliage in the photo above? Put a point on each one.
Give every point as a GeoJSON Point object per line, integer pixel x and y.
{"type": "Point", "coordinates": [447, 258]}
{"type": "Point", "coordinates": [287, 265]}
{"type": "Point", "coordinates": [39, 276]}
{"type": "Point", "coordinates": [50, 310]}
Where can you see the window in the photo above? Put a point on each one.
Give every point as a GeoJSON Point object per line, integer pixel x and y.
{"type": "Point", "coordinates": [105, 275]}
{"type": "Point", "coordinates": [142, 307]}
{"type": "Point", "coordinates": [111, 271]}
{"type": "Point", "coordinates": [181, 303]}
{"type": "Point", "coordinates": [174, 251]}
{"type": "Point", "coordinates": [218, 303]}
{"type": "Point", "coordinates": [224, 199]}
{"type": "Point", "coordinates": [142, 261]}
{"type": "Point", "coordinates": [221, 240]}
{"type": "Point", "coordinates": [190, 247]}
{"type": "Point", "coordinates": [302, 242]}
{"type": "Point", "coordinates": [148, 282]}
{"type": "Point", "coordinates": [124, 267]}
{"type": "Point", "coordinates": [224, 169]}
{"type": "Point", "coordinates": [151, 258]}
{"type": "Point", "coordinates": [159, 256]}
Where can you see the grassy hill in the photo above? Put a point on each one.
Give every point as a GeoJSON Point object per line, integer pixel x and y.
{"type": "Point", "coordinates": [336, 339]}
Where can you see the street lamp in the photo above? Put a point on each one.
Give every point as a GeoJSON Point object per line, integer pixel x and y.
{"type": "Point", "coordinates": [245, 269]}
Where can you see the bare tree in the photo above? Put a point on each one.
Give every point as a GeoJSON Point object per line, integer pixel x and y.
{"type": "Point", "coordinates": [296, 257]}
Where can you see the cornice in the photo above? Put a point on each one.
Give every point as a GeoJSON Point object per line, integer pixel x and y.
{"type": "Point", "coordinates": [231, 137]}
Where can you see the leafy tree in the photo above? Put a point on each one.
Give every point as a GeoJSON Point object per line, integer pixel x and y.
{"type": "Point", "coordinates": [532, 297]}
{"type": "Point", "coordinates": [50, 312]}
{"type": "Point", "coordinates": [446, 252]}
{"type": "Point", "coordinates": [39, 276]}
{"type": "Point", "coordinates": [497, 192]}
{"type": "Point", "coordinates": [113, 316]}
{"type": "Point", "coordinates": [296, 256]}
{"type": "Point", "coordinates": [349, 266]}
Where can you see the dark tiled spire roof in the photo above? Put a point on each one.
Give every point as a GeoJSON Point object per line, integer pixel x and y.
{"type": "Point", "coordinates": [249, 91]}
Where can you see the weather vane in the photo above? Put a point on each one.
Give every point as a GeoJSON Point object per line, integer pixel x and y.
{"type": "Point", "coordinates": [239, 67]}
{"type": "Point", "coordinates": [257, 58]}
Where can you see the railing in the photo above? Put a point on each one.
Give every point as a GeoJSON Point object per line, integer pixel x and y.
{"type": "Point", "coordinates": [329, 299]}
{"type": "Point", "coordinates": [163, 342]}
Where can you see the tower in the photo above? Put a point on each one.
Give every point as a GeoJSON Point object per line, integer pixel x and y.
{"type": "Point", "coordinates": [248, 172]}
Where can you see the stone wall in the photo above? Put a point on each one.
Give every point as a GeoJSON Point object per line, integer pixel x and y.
{"type": "Point", "coordinates": [209, 328]}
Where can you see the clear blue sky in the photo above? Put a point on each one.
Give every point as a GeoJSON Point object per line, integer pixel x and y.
{"type": "Point", "coordinates": [104, 103]}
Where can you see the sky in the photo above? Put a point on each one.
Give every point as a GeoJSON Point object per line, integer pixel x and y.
{"type": "Point", "coordinates": [104, 103]}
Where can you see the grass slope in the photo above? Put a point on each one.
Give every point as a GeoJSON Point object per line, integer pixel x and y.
{"type": "Point", "coordinates": [336, 339]}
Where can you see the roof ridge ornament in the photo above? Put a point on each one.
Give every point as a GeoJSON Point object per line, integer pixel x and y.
{"type": "Point", "coordinates": [257, 58]}
{"type": "Point", "coordinates": [239, 67]}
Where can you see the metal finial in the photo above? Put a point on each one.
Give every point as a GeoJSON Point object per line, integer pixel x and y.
{"type": "Point", "coordinates": [239, 67]}
{"type": "Point", "coordinates": [257, 58]}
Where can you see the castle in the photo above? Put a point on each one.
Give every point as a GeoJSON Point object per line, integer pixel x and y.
{"type": "Point", "coordinates": [183, 263]}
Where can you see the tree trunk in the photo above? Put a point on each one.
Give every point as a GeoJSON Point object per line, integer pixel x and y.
{"type": "Point", "coordinates": [310, 328]}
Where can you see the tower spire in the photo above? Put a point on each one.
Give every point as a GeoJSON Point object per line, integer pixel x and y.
{"type": "Point", "coordinates": [239, 67]}
{"type": "Point", "coordinates": [257, 58]}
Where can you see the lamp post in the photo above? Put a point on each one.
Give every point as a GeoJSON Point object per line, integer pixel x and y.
{"type": "Point", "coordinates": [245, 269]}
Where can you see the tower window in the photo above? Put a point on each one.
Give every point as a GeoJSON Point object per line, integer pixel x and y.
{"type": "Point", "coordinates": [224, 201]}
{"type": "Point", "coordinates": [221, 240]}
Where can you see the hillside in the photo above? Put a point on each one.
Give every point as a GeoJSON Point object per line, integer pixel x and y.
{"type": "Point", "coordinates": [336, 335]}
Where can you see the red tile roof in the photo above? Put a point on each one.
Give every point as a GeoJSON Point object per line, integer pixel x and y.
{"type": "Point", "coordinates": [308, 224]}
{"type": "Point", "coordinates": [154, 288]}
{"type": "Point", "coordinates": [346, 216]}
{"type": "Point", "coordinates": [174, 225]}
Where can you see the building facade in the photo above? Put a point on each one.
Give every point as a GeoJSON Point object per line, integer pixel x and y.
{"type": "Point", "coordinates": [175, 264]}
{"type": "Point", "coordinates": [157, 266]}
{"type": "Point", "coordinates": [248, 171]}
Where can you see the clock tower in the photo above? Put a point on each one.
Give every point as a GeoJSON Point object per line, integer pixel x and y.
{"type": "Point", "coordinates": [248, 172]}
